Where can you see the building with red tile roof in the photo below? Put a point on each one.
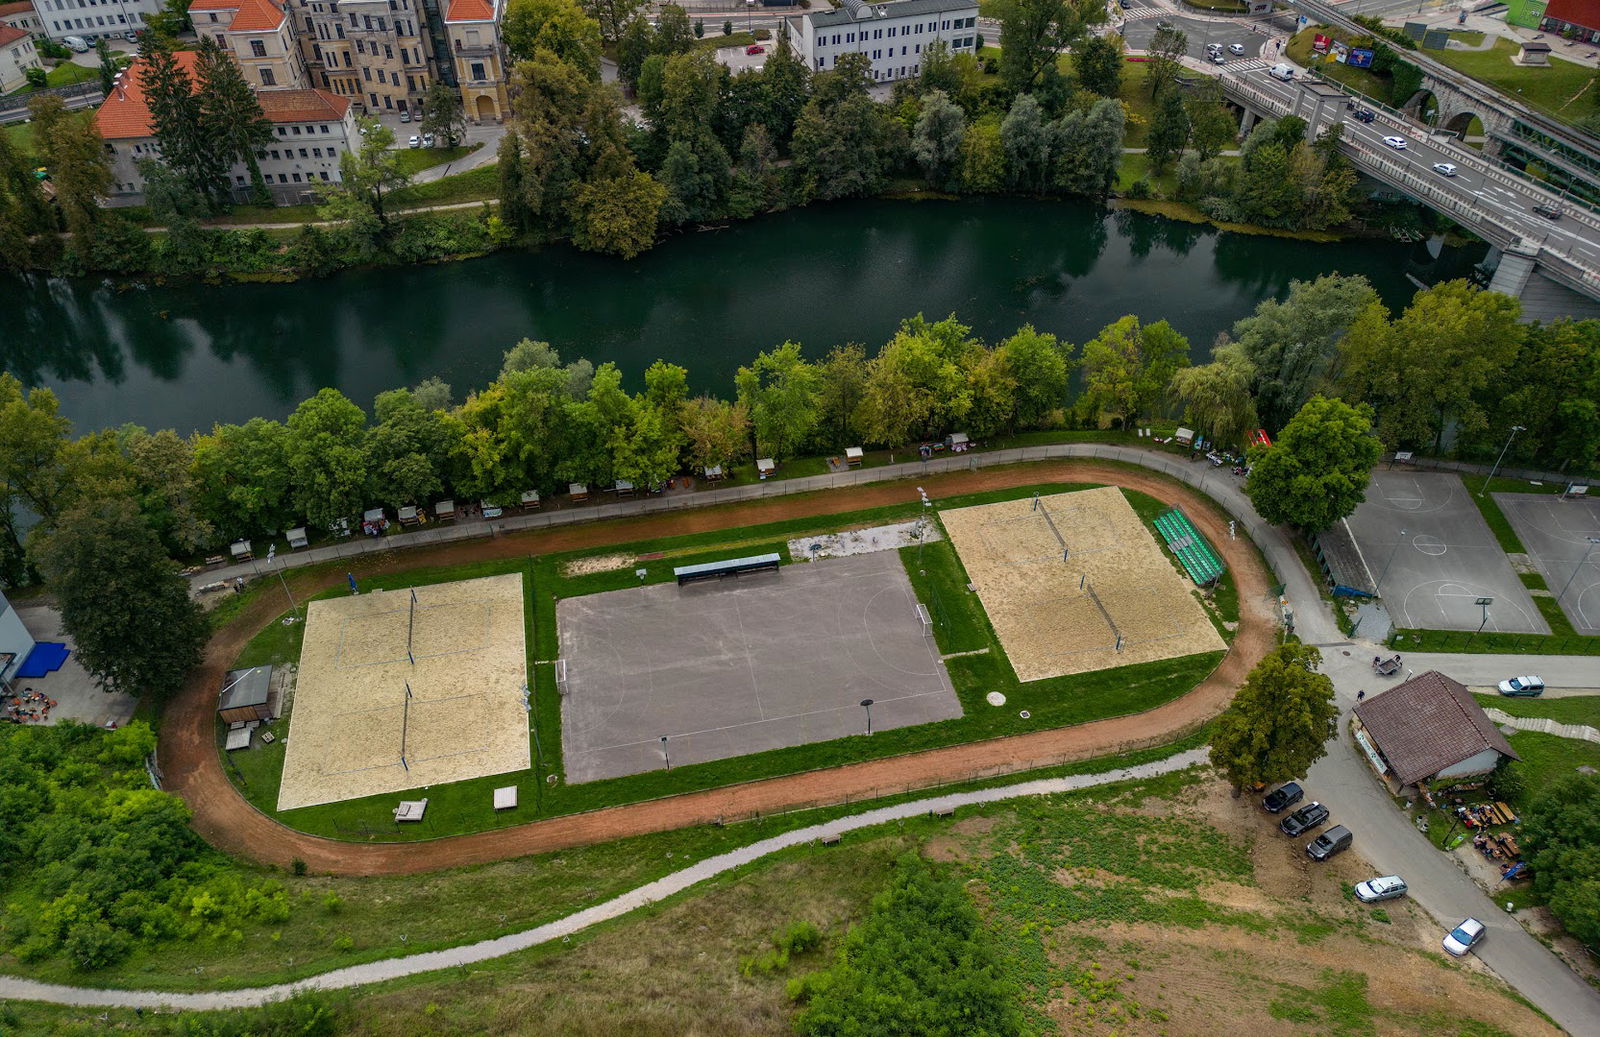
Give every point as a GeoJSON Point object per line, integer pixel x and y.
{"type": "Point", "coordinates": [17, 55]}
{"type": "Point", "coordinates": [473, 27]}
{"type": "Point", "coordinates": [1575, 19]}
{"type": "Point", "coordinates": [259, 34]}
{"type": "Point", "coordinates": [21, 15]}
{"type": "Point", "coordinates": [313, 129]}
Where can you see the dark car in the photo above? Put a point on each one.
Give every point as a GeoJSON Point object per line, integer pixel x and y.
{"type": "Point", "coordinates": [1549, 212]}
{"type": "Point", "coordinates": [1285, 795]}
{"type": "Point", "coordinates": [1304, 820]}
{"type": "Point", "coordinates": [1365, 115]}
{"type": "Point", "coordinates": [1335, 840]}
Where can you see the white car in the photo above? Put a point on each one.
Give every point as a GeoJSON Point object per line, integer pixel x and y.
{"type": "Point", "coordinates": [1397, 143]}
{"type": "Point", "coordinates": [415, 141]}
{"type": "Point", "coordinates": [1444, 168]}
{"type": "Point", "coordinates": [1463, 937]}
{"type": "Point", "coordinates": [1386, 888]}
{"type": "Point", "coordinates": [1236, 48]}
{"type": "Point", "coordinates": [427, 140]}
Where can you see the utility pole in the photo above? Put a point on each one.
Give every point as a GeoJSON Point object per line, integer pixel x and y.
{"type": "Point", "coordinates": [1514, 430]}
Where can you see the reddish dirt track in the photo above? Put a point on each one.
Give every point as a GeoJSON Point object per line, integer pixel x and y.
{"type": "Point", "coordinates": [194, 771]}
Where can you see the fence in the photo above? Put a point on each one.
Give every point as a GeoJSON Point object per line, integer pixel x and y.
{"type": "Point", "coordinates": [1558, 480]}
{"type": "Point", "coordinates": [13, 104]}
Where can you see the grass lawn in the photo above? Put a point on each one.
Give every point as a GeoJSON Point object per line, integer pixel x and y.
{"type": "Point", "coordinates": [1555, 89]}
{"type": "Point", "coordinates": [939, 579]}
{"type": "Point", "coordinates": [1578, 709]}
{"type": "Point", "coordinates": [1359, 79]}
{"type": "Point", "coordinates": [20, 136]}
{"type": "Point", "coordinates": [414, 160]}
{"type": "Point", "coordinates": [471, 186]}
{"type": "Point", "coordinates": [1546, 758]}
{"type": "Point", "coordinates": [714, 40]}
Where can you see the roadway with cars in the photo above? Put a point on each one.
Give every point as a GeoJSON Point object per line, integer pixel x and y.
{"type": "Point", "coordinates": [1137, 32]}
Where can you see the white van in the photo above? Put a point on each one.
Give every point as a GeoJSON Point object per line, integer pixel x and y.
{"type": "Point", "coordinates": [77, 43]}
{"type": "Point", "coordinates": [1282, 71]}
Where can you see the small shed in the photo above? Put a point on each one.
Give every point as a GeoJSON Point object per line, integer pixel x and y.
{"type": "Point", "coordinates": [854, 456]}
{"type": "Point", "coordinates": [958, 442]}
{"type": "Point", "coordinates": [444, 511]}
{"type": "Point", "coordinates": [624, 488]}
{"type": "Point", "coordinates": [1184, 436]}
{"type": "Point", "coordinates": [297, 538]}
{"type": "Point", "coordinates": [1430, 728]}
{"type": "Point", "coordinates": [1343, 565]}
{"type": "Point", "coordinates": [245, 696]}
{"type": "Point", "coordinates": [1534, 52]}
{"type": "Point", "coordinates": [505, 798]}
{"type": "Point", "coordinates": [530, 500]}
{"type": "Point", "coordinates": [578, 491]}
{"type": "Point", "coordinates": [715, 472]}
{"type": "Point", "coordinates": [410, 515]}
{"type": "Point", "coordinates": [765, 466]}
{"type": "Point", "coordinates": [242, 550]}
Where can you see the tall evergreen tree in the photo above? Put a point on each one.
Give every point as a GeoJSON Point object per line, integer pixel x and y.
{"type": "Point", "coordinates": [230, 115]}
{"type": "Point", "coordinates": [175, 112]}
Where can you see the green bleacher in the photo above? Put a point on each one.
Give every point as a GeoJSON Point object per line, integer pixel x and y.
{"type": "Point", "coordinates": [1185, 541]}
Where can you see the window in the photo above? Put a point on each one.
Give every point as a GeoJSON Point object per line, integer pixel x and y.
{"type": "Point", "coordinates": [366, 73]}
{"type": "Point", "coordinates": [849, 37]}
{"type": "Point", "coordinates": [361, 46]}
{"type": "Point", "coordinates": [324, 127]}
{"type": "Point", "coordinates": [274, 152]}
{"type": "Point", "coordinates": [297, 178]}
{"type": "Point", "coordinates": [324, 176]}
{"type": "Point", "coordinates": [267, 79]}
{"type": "Point", "coordinates": [315, 152]}
{"type": "Point", "coordinates": [877, 34]}
{"type": "Point", "coordinates": [477, 72]}
{"type": "Point", "coordinates": [388, 102]}
{"type": "Point", "coordinates": [303, 153]}
{"type": "Point", "coordinates": [381, 26]}
{"type": "Point", "coordinates": [238, 180]}
{"type": "Point", "coordinates": [822, 62]}
{"type": "Point", "coordinates": [373, 98]}
{"type": "Point", "coordinates": [388, 51]}
{"type": "Point", "coordinates": [891, 32]}
{"type": "Point", "coordinates": [258, 49]}
{"type": "Point", "coordinates": [223, 43]}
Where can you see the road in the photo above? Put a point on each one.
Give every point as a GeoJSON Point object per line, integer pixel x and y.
{"type": "Point", "coordinates": [1200, 31]}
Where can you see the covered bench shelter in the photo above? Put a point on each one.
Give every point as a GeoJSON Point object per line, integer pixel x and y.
{"type": "Point", "coordinates": [1343, 565]}
{"type": "Point", "coordinates": [245, 696]}
{"type": "Point", "coordinates": [1429, 729]}
{"type": "Point", "coordinates": [687, 574]}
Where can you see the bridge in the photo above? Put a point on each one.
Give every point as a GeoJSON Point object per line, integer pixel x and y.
{"type": "Point", "coordinates": [1514, 130]}
{"type": "Point", "coordinates": [1552, 265]}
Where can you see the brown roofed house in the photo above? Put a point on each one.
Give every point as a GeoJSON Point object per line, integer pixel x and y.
{"type": "Point", "coordinates": [1431, 728]}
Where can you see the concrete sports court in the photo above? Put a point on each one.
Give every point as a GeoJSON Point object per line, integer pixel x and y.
{"type": "Point", "coordinates": [739, 665]}
{"type": "Point", "coordinates": [1446, 560]}
{"type": "Point", "coordinates": [1556, 533]}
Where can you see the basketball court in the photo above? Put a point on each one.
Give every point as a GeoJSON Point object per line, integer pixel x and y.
{"type": "Point", "coordinates": [1435, 558]}
{"type": "Point", "coordinates": [405, 688]}
{"type": "Point", "coordinates": [1556, 533]}
{"type": "Point", "coordinates": [667, 675]}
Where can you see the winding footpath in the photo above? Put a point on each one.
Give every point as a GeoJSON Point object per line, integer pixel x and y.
{"type": "Point", "coordinates": [660, 889]}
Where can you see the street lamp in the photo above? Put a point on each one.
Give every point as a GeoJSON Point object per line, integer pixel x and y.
{"type": "Point", "coordinates": [664, 755]}
{"type": "Point", "coordinates": [750, 16]}
{"type": "Point", "coordinates": [1593, 541]}
{"type": "Point", "coordinates": [1514, 430]}
{"type": "Point", "coordinates": [867, 705]}
{"type": "Point", "coordinates": [1484, 604]}
{"type": "Point", "coordinates": [1392, 552]}
{"type": "Point", "coordinates": [922, 524]}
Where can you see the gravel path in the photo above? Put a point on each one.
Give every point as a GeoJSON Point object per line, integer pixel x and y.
{"type": "Point", "coordinates": [677, 882]}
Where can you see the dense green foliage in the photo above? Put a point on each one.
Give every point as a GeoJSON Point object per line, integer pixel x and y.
{"type": "Point", "coordinates": [1317, 471]}
{"type": "Point", "coordinates": [1280, 721]}
{"type": "Point", "coordinates": [922, 962]}
{"type": "Point", "coordinates": [95, 862]}
{"type": "Point", "coordinates": [1561, 840]}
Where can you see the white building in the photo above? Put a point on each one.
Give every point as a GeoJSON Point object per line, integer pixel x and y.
{"type": "Point", "coordinates": [20, 15]}
{"type": "Point", "coordinates": [16, 57]}
{"type": "Point", "coordinates": [893, 36]}
{"type": "Point", "coordinates": [313, 130]}
{"type": "Point", "coordinates": [15, 642]}
{"type": "Point", "coordinates": [93, 19]}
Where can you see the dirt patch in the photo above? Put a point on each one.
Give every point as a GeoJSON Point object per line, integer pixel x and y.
{"type": "Point", "coordinates": [1073, 582]}
{"type": "Point", "coordinates": [597, 564]}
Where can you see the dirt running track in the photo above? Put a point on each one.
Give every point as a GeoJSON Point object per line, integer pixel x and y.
{"type": "Point", "coordinates": [193, 770]}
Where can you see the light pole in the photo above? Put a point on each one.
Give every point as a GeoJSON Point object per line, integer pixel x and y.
{"type": "Point", "coordinates": [1484, 604]}
{"type": "Point", "coordinates": [1593, 541]}
{"type": "Point", "coordinates": [1392, 552]}
{"type": "Point", "coordinates": [867, 705]}
{"type": "Point", "coordinates": [922, 523]}
{"type": "Point", "coordinates": [664, 755]}
{"type": "Point", "coordinates": [1514, 430]}
{"type": "Point", "coordinates": [750, 16]}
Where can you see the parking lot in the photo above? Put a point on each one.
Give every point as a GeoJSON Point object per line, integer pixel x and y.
{"type": "Point", "coordinates": [1434, 557]}
{"type": "Point", "coordinates": [1556, 533]}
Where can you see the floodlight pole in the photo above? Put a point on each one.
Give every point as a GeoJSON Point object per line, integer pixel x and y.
{"type": "Point", "coordinates": [664, 755]}
{"type": "Point", "coordinates": [1593, 541]}
{"type": "Point", "coordinates": [867, 705]}
{"type": "Point", "coordinates": [1483, 603]}
{"type": "Point", "coordinates": [1392, 552]}
{"type": "Point", "coordinates": [1514, 430]}
{"type": "Point", "coordinates": [922, 525]}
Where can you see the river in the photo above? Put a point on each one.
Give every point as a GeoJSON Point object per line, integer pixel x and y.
{"type": "Point", "coordinates": [188, 356]}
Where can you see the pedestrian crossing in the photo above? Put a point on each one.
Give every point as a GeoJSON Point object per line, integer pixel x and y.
{"type": "Point", "coordinates": [1244, 65]}
{"type": "Point", "coordinates": [1133, 14]}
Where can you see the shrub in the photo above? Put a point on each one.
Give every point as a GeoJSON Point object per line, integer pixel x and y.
{"type": "Point", "coordinates": [297, 866]}
{"type": "Point", "coordinates": [1140, 188]}
{"type": "Point", "coordinates": [332, 903]}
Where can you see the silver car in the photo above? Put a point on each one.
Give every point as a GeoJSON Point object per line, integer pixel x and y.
{"type": "Point", "coordinates": [1463, 937]}
{"type": "Point", "coordinates": [1385, 888]}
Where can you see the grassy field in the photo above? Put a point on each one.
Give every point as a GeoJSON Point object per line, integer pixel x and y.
{"type": "Point", "coordinates": [1157, 908]}
{"type": "Point", "coordinates": [1564, 89]}
{"type": "Point", "coordinates": [938, 579]}
{"type": "Point", "coordinates": [414, 160]}
{"type": "Point", "coordinates": [473, 185]}
{"type": "Point", "coordinates": [1359, 79]}
{"type": "Point", "coordinates": [1579, 709]}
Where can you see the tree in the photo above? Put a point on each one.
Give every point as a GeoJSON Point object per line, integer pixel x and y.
{"type": "Point", "coordinates": [756, 186]}
{"type": "Point", "coordinates": [1098, 62]}
{"type": "Point", "coordinates": [1127, 367]}
{"type": "Point", "coordinates": [1039, 364]}
{"type": "Point", "coordinates": [1279, 722]}
{"type": "Point", "coordinates": [779, 390]}
{"type": "Point", "coordinates": [1317, 470]}
{"type": "Point", "coordinates": [1165, 55]}
{"type": "Point", "coordinates": [1169, 131]}
{"type": "Point", "coordinates": [845, 149]}
{"type": "Point", "coordinates": [983, 157]}
{"type": "Point", "coordinates": [634, 46]}
{"type": "Point", "coordinates": [727, 27]}
{"type": "Point", "coordinates": [136, 629]}
{"type": "Point", "coordinates": [1212, 127]}
{"type": "Point", "coordinates": [617, 214]}
{"type": "Point", "coordinates": [1026, 141]}
{"type": "Point", "coordinates": [937, 141]}
{"type": "Point", "coordinates": [443, 114]}
{"type": "Point", "coordinates": [1560, 837]}
{"type": "Point", "coordinates": [558, 27]}
{"type": "Point", "coordinates": [1086, 149]}
{"type": "Point", "coordinates": [674, 34]}
{"type": "Point", "coordinates": [699, 28]}
{"type": "Point", "coordinates": [371, 171]}
{"type": "Point", "coordinates": [1034, 32]}
{"type": "Point", "coordinates": [325, 454]}
{"type": "Point", "coordinates": [917, 385]}
{"type": "Point", "coordinates": [718, 432]}
{"type": "Point", "coordinates": [230, 114]}
{"type": "Point", "coordinates": [79, 168]}
{"type": "Point", "coordinates": [178, 122]}
{"type": "Point", "coordinates": [614, 16]}
{"type": "Point", "coordinates": [1216, 396]}
{"type": "Point", "coordinates": [108, 64]}
{"type": "Point", "coordinates": [161, 481]}
{"type": "Point", "coordinates": [34, 460]}
{"type": "Point", "coordinates": [242, 472]}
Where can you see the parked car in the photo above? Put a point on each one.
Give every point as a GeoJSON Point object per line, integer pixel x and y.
{"type": "Point", "coordinates": [1444, 168]}
{"type": "Point", "coordinates": [1397, 143]}
{"type": "Point", "coordinates": [1285, 795]}
{"type": "Point", "coordinates": [76, 43]}
{"type": "Point", "coordinates": [1335, 840]}
{"type": "Point", "coordinates": [755, 48]}
{"type": "Point", "coordinates": [1549, 212]}
{"type": "Point", "coordinates": [1219, 58]}
{"type": "Point", "coordinates": [415, 141]}
{"type": "Point", "coordinates": [1464, 937]}
{"type": "Point", "coordinates": [1236, 48]}
{"type": "Point", "coordinates": [1303, 820]}
{"type": "Point", "coordinates": [1523, 687]}
{"type": "Point", "coordinates": [405, 116]}
{"type": "Point", "coordinates": [427, 140]}
{"type": "Point", "coordinates": [1386, 888]}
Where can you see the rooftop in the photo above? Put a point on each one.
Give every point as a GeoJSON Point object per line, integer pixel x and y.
{"type": "Point", "coordinates": [1427, 724]}
{"type": "Point", "coordinates": [125, 115]}
{"type": "Point", "coordinates": [1579, 12]}
{"type": "Point", "coordinates": [470, 11]}
{"type": "Point", "coordinates": [20, 7]}
{"type": "Point", "coordinates": [855, 11]}
{"type": "Point", "coordinates": [257, 16]}
{"type": "Point", "coordinates": [245, 688]}
{"type": "Point", "coordinates": [10, 34]}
